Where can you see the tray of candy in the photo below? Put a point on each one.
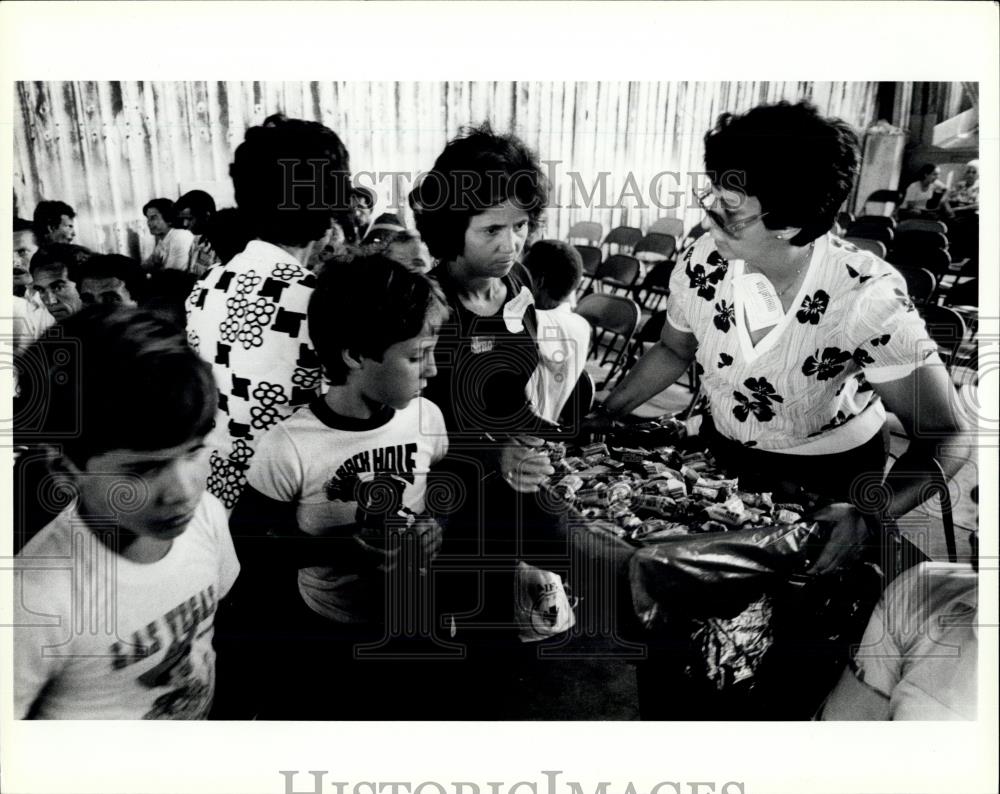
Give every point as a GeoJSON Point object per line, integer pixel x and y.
{"type": "Point", "coordinates": [667, 487]}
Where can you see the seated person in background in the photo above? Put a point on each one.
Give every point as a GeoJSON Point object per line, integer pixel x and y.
{"type": "Point", "coordinates": [173, 245]}
{"type": "Point", "coordinates": [54, 223]}
{"type": "Point", "coordinates": [964, 197]}
{"type": "Point", "coordinates": [226, 234]}
{"type": "Point", "coordinates": [924, 196]}
{"type": "Point", "coordinates": [112, 279]}
{"type": "Point", "coordinates": [24, 248]}
{"type": "Point", "coordinates": [193, 211]}
{"type": "Point", "coordinates": [331, 485]}
{"type": "Point", "coordinates": [385, 225]}
{"type": "Point", "coordinates": [563, 337]}
{"type": "Point", "coordinates": [917, 660]}
{"type": "Point", "coordinates": [55, 275]}
{"type": "Point", "coordinates": [360, 215]}
{"type": "Point", "coordinates": [140, 644]}
{"type": "Point", "coordinates": [408, 249]}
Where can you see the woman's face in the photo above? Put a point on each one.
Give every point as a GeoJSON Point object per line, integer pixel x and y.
{"type": "Point", "coordinates": [155, 222]}
{"type": "Point", "coordinates": [971, 173]}
{"type": "Point", "coordinates": [750, 242]}
{"type": "Point", "coordinates": [493, 241]}
{"type": "Point", "coordinates": [932, 177]}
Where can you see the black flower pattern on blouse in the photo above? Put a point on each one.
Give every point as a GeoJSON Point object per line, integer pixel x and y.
{"type": "Point", "coordinates": [881, 340]}
{"type": "Point", "coordinates": [813, 307]}
{"type": "Point", "coordinates": [725, 316]}
{"type": "Point", "coordinates": [855, 274]}
{"type": "Point", "coordinates": [705, 282]}
{"type": "Point", "coordinates": [862, 357]}
{"type": "Point", "coordinates": [826, 366]}
{"type": "Point", "coordinates": [725, 360]}
{"type": "Point", "coordinates": [760, 406]}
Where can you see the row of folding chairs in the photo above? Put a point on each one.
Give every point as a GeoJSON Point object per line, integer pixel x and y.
{"type": "Point", "coordinates": [592, 232]}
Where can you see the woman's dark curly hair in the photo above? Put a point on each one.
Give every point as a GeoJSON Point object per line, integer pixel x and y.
{"type": "Point", "coordinates": [476, 171]}
{"type": "Point", "coordinates": [798, 164]}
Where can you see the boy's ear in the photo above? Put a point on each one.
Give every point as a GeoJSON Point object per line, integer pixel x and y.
{"type": "Point", "coordinates": [351, 358]}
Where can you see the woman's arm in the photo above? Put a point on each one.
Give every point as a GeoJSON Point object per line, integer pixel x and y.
{"type": "Point", "coordinates": [924, 403]}
{"type": "Point", "coordinates": [662, 364]}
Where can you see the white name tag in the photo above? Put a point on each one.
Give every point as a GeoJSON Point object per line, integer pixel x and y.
{"type": "Point", "coordinates": [514, 309]}
{"type": "Point", "coordinates": [762, 304]}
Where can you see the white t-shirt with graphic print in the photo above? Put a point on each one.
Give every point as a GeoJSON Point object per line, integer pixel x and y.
{"type": "Point", "coordinates": [321, 462]}
{"type": "Point", "coordinates": [805, 387]}
{"type": "Point", "coordinates": [98, 636]}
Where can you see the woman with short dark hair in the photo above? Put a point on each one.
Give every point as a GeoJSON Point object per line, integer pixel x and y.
{"type": "Point", "coordinates": [172, 250]}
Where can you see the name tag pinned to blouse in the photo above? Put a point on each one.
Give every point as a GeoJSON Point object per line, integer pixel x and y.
{"type": "Point", "coordinates": [762, 304]}
{"type": "Point", "coordinates": [514, 309]}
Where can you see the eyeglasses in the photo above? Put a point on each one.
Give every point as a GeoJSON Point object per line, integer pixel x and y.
{"type": "Point", "coordinates": [731, 229]}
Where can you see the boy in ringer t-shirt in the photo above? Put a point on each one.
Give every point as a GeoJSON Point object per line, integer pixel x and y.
{"type": "Point", "coordinates": [338, 490]}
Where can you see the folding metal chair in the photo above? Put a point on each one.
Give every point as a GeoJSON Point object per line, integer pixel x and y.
{"type": "Point", "coordinates": [611, 315]}
{"type": "Point", "coordinates": [893, 197]}
{"type": "Point", "coordinates": [655, 287]}
{"type": "Point", "coordinates": [618, 272]}
{"type": "Point", "coordinates": [655, 247]}
{"type": "Point", "coordinates": [920, 283]}
{"type": "Point", "coordinates": [869, 231]}
{"type": "Point", "coordinates": [591, 256]}
{"type": "Point", "coordinates": [875, 220]}
{"type": "Point", "coordinates": [671, 226]}
{"type": "Point", "coordinates": [591, 231]}
{"type": "Point", "coordinates": [946, 327]}
{"type": "Point", "coordinates": [920, 225]}
{"type": "Point", "coordinates": [624, 237]}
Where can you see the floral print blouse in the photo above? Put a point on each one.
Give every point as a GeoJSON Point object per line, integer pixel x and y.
{"type": "Point", "coordinates": [805, 387]}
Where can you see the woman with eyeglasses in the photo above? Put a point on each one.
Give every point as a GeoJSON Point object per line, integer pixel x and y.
{"type": "Point", "coordinates": [803, 342]}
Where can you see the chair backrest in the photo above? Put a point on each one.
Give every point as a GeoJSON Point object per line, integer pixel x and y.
{"type": "Point", "coordinates": [920, 239]}
{"type": "Point", "coordinates": [623, 237]}
{"type": "Point", "coordinates": [655, 246]}
{"type": "Point", "coordinates": [591, 231]}
{"type": "Point", "coordinates": [659, 275]}
{"type": "Point", "coordinates": [920, 225]}
{"type": "Point", "coordinates": [591, 256]}
{"type": "Point", "coordinates": [672, 226]}
{"type": "Point", "coordinates": [875, 246]}
{"type": "Point", "coordinates": [920, 283]}
{"type": "Point", "coordinates": [934, 259]}
{"type": "Point", "coordinates": [875, 220]}
{"type": "Point", "coordinates": [621, 268]}
{"type": "Point", "coordinates": [945, 326]}
{"type": "Point", "coordinates": [653, 327]}
{"type": "Point", "coordinates": [871, 232]}
{"type": "Point", "coordinates": [893, 197]}
{"type": "Point", "coordinates": [964, 294]}
{"type": "Point", "coordinates": [610, 313]}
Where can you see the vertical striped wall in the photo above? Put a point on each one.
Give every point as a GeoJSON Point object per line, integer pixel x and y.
{"type": "Point", "coordinates": [108, 147]}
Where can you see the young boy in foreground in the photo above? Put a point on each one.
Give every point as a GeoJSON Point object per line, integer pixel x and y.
{"type": "Point", "coordinates": [336, 493]}
{"type": "Point", "coordinates": [115, 598]}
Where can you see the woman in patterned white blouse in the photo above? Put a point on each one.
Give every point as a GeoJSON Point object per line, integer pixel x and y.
{"type": "Point", "coordinates": [804, 342]}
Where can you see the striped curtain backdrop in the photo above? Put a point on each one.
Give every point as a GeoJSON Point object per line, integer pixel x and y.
{"type": "Point", "coordinates": [618, 152]}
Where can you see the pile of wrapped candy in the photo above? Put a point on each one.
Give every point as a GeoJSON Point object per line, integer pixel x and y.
{"type": "Point", "coordinates": [646, 495]}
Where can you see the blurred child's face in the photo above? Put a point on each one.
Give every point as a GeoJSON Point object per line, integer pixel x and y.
{"type": "Point", "coordinates": [403, 371]}
{"type": "Point", "coordinates": [56, 291]}
{"type": "Point", "coordinates": [150, 494]}
{"type": "Point", "coordinates": [107, 291]}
